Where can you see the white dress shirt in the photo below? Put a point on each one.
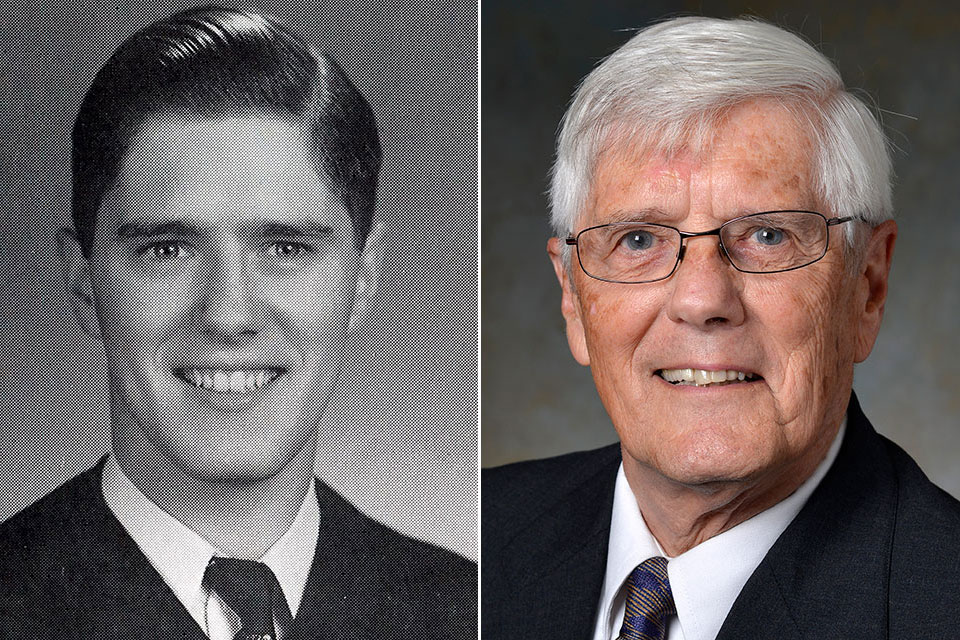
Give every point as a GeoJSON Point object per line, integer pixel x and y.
{"type": "Point", "coordinates": [180, 556]}
{"type": "Point", "coordinates": [706, 579]}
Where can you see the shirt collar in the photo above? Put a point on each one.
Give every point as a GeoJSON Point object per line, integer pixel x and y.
{"type": "Point", "coordinates": [706, 579]}
{"type": "Point", "coordinates": [180, 556]}
{"type": "Point", "coordinates": [291, 557]}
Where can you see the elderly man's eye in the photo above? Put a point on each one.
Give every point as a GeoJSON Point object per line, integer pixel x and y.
{"type": "Point", "coordinates": [637, 240]}
{"type": "Point", "coordinates": [768, 236]}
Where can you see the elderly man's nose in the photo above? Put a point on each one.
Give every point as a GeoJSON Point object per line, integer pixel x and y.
{"type": "Point", "coordinates": [705, 292]}
{"type": "Point", "coordinates": [228, 304]}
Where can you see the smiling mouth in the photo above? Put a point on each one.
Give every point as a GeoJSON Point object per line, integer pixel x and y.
{"type": "Point", "coordinates": [228, 381]}
{"type": "Point", "coordinates": [704, 378]}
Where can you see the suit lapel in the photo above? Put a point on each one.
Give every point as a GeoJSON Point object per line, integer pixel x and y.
{"type": "Point", "coordinates": [564, 554]}
{"type": "Point", "coordinates": [116, 589]}
{"type": "Point", "coordinates": [335, 602]}
{"type": "Point", "coordinates": [827, 574]}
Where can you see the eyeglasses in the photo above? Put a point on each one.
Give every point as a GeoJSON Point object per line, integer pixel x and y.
{"type": "Point", "coordinates": [766, 242]}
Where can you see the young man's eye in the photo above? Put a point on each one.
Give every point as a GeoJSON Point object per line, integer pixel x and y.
{"type": "Point", "coordinates": [287, 249]}
{"type": "Point", "coordinates": [166, 250]}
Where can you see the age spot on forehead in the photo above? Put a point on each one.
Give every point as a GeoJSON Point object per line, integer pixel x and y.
{"type": "Point", "coordinates": [663, 177]}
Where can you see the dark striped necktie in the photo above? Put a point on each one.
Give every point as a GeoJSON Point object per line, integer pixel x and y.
{"type": "Point", "coordinates": [251, 590]}
{"type": "Point", "coordinates": [649, 602]}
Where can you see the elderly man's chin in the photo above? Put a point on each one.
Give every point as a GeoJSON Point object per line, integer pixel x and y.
{"type": "Point", "coordinates": [725, 435]}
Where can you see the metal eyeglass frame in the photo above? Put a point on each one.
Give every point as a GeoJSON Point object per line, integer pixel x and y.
{"type": "Point", "coordinates": [829, 222]}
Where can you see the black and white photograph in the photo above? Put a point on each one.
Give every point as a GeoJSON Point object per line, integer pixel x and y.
{"type": "Point", "coordinates": [720, 289]}
{"type": "Point", "coordinates": [240, 385]}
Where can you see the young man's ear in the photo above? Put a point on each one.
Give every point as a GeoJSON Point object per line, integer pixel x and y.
{"type": "Point", "coordinates": [76, 273]}
{"type": "Point", "coordinates": [371, 264]}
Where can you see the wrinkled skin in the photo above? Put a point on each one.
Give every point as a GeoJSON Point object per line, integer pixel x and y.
{"type": "Point", "coordinates": [703, 459]}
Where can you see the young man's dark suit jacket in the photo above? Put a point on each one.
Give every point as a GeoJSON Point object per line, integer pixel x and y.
{"type": "Point", "coordinates": [875, 552]}
{"type": "Point", "coordinates": [69, 570]}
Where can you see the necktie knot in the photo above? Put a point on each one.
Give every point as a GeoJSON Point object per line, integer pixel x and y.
{"type": "Point", "coordinates": [250, 589]}
{"type": "Point", "coordinates": [649, 601]}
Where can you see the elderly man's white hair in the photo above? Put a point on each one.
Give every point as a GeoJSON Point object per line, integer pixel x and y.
{"type": "Point", "coordinates": [666, 89]}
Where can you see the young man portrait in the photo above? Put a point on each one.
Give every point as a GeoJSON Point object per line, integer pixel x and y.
{"type": "Point", "coordinates": [223, 248]}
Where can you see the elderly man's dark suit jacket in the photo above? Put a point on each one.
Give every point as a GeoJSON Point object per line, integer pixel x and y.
{"type": "Point", "coordinates": [875, 552]}
{"type": "Point", "coordinates": [69, 570]}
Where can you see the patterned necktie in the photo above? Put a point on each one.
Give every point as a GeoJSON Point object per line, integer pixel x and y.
{"type": "Point", "coordinates": [250, 589]}
{"type": "Point", "coordinates": [649, 602]}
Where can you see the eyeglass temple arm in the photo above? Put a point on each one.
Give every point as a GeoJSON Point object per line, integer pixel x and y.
{"type": "Point", "coordinates": [832, 222]}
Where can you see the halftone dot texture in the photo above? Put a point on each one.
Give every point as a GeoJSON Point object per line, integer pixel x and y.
{"type": "Point", "coordinates": [399, 435]}
{"type": "Point", "coordinates": [251, 590]}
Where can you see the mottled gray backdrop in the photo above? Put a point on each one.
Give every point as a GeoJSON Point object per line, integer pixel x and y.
{"type": "Point", "coordinates": [536, 400]}
{"type": "Point", "coordinates": [400, 438]}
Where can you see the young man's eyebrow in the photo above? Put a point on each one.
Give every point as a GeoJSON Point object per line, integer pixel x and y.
{"type": "Point", "coordinates": [136, 229]}
{"type": "Point", "coordinates": [298, 230]}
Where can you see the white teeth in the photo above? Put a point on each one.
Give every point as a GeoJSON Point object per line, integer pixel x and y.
{"type": "Point", "coordinates": [224, 381]}
{"type": "Point", "coordinates": [703, 377]}
{"type": "Point", "coordinates": [238, 381]}
{"type": "Point", "coordinates": [221, 381]}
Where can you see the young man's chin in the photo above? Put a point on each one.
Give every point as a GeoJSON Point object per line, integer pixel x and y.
{"type": "Point", "coordinates": [249, 469]}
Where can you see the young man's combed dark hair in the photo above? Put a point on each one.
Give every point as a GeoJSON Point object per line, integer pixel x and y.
{"type": "Point", "coordinates": [215, 62]}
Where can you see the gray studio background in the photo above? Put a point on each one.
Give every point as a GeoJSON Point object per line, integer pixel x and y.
{"type": "Point", "coordinates": [400, 439]}
{"type": "Point", "coordinates": [536, 400]}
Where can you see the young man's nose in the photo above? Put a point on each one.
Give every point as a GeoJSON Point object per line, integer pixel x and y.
{"type": "Point", "coordinates": [229, 300]}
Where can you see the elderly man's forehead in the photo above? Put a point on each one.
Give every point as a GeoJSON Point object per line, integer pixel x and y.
{"type": "Point", "coordinates": [754, 120]}
{"type": "Point", "coordinates": [765, 143]}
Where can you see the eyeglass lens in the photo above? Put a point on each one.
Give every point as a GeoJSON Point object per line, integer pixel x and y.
{"type": "Point", "coordinates": [760, 243]}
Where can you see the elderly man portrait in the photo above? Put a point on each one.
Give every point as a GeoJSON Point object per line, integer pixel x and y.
{"type": "Point", "coordinates": [723, 218]}
{"type": "Point", "coordinates": [224, 248]}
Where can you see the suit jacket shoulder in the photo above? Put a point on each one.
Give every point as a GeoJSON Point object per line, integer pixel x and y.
{"type": "Point", "coordinates": [874, 553]}
{"type": "Point", "coordinates": [545, 527]}
{"type": "Point", "coordinates": [68, 569]}
{"type": "Point", "coordinates": [374, 582]}
{"type": "Point", "coordinates": [515, 495]}
{"type": "Point", "coordinates": [925, 563]}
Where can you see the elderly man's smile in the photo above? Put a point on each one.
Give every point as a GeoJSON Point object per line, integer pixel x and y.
{"type": "Point", "coordinates": [706, 377]}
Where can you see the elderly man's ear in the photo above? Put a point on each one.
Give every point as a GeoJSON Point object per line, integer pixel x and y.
{"type": "Point", "coordinates": [872, 287]}
{"type": "Point", "coordinates": [371, 264]}
{"type": "Point", "coordinates": [569, 304]}
{"type": "Point", "coordinates": [76, 273]}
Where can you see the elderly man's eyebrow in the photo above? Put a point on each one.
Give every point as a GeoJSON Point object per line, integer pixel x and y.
{"type": "Point", "coordinates": [635, 215]}
{"type": "Point", "coordinates": [136, 229]}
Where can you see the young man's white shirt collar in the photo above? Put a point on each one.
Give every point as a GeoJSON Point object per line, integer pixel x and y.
{"type": "Point", "coordinates": [180, 556]}
{"type": "Point", "coordinates": [705, 580]}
